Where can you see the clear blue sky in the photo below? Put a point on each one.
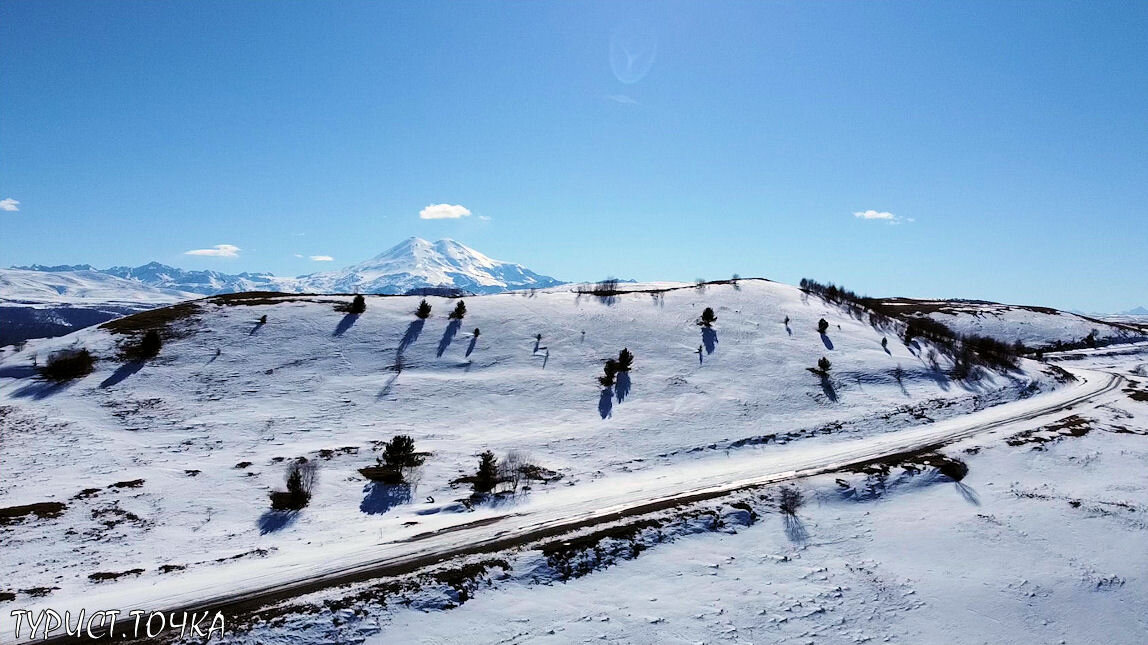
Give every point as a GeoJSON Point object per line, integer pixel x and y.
{"type": "Point", "coordinates": [658, 140]}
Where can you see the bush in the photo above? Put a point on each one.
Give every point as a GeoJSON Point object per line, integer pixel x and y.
{"type": "Point", "coordinates": [708, 318]}
{"type": "Point", "coordinates": [67, 365]}
{"type": "Point", "coordinates": [789, 500]}
{"type": "Point", "coordinates": [147, 347]}
{"type": "Point", "coordinates": [423, 310]}
{"type": "Point", "coordinates": [486, 479]}
{"type": "Point", "coordinates": [400, 453]}
{"type": "Point", "coordinates": [823, 365]}
{"type": "Point", "coordinates": [625, 360]}
{"type": "Point", "coordinates": [476, 332]}
{"type": "Point", "coordinates": [358, 305]}
{"type": "Point", "coordinates": [822, 326]}
{"type": "Point", "coordinates": [459, 311]}
{"type": "Point", "coordinates": [301, 477]}
{"type": "Point", "coordinates": [610, 370]}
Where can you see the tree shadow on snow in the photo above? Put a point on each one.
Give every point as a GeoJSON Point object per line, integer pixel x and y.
{"type": "Point", "coordinates": [412, 334]}
{"type": "Point", "coordinates": [41, 389]}
{"type": "Point", "coordinates": [448, 336]}
{"type": "Point", "coordinates": [273, 521]}
{"type": "Point", "coordinates": [622, 388]}
{"type": "Point", "coordinates": [825, 341]}
{"type": "Point", "coordinates": [259, 325]}
{"type": "Point", "coordinates": [18, 371]}
{"type": "Point", "coordinates": [795, 529]}
{"type": "Point", "coordinates": [827, 388]}
{"type": "Point", "coordinates": [606, 402]}
{"type": "Point", "coordinates": [968, 493]}
{"type": "Point", "coordinates": [709, 339]}
{"type": "Point", "coordinates": [124, 371]}
{"type": "Point", "coordinates": [345, 324]}
{"type": "Point", "coordinates": [379, 498]}
{"type": "Point", "coordinates": [473, 342]}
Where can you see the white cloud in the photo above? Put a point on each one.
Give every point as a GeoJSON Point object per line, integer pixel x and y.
{"type": "Point", "coordinates": [884, 216]}
{"type": "Point", "coordinates": [621, 98]}
{"type": "Point", "coordinates": [322, 258]}
{"type": "Point", "coordinates": [9, 204]}
{"type": "Point", "coordinates": [217, 251]}
{"type": "Point", "coordinates": [444, 211]}
{"type": "Point", "coordinates": [485, 218]}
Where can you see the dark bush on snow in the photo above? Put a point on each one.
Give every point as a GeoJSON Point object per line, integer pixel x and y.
{"type": "Point", "coordinates": [67, 365]}
{"type": "Point", "coordinates": [708, 318]}
{"type": "Point", "coordinates": [625, 360]}
{"type": "Point", "coordinates": [822, 326]}
{"type": "Point", "coordinates": [424, 310]}
{"type": "Point", "coordinates": [147, 347]}
{"type": "Point", "coordinates": [789, 500]}
{"type": "Point", "coordinates": [301, 477]}
{"type": "Point", "coordinates": [487, 477]}
{"type": "Point", "coordinates": [358, 305]}
{"type": "Point", "coordinates": [459, 311]}
{"type": "Point", "coordinates": [823, 365]}
{"type": "Point", "coordinates": [609, 371]}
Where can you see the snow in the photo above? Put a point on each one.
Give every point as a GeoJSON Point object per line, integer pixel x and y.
{"type": "Point", "coordinates": [311, 379]}
{"type": "Point", "coordinates": [88, 287]}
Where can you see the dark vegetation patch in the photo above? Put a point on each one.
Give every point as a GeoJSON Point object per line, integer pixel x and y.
{"type": "Point", "coordinates": [7, 596]}
{"type": "Point", "coordinates": [1072, 426]}
{"type": "Point", "coordinates": [915, 462]}
{"type": "Point", "coordinates": [87, 493]}
{"type": "Point", "coordinates": [191, 473]}
{"type": "Point", "coordinates": [251, 298]}
{"type": "Point", "coordinates": [158, 319]}
{"type": "Point", "coordinates": [966, 349]}
{"type": "Point", "coordinates": [112, 516]}
{"type": "Point", "coordinates": [328, 453]}
{"type": "Point", "coordinates": [38, 592]}
{"type": "Point", "coordinates": [1060, 374]}
{"type": "Point", "coordinates": [170, 568]}
{"type": "Point", "coordinates": [254, 553]}
{"type": "Point", "coordinates": [104, 576]}
{"type": "Point", "coordinates": [569, 557]}
{"type": "Point", "coordinates": [42, 510]}
{"type": "Point", "coordinates": [134, 483]}
{"type": "Point", "coordinates": [1136, 392]}
{"type": "Point", "coordinates": [67, 365]}
{"type": "Point", "coordinates": [243, 464]}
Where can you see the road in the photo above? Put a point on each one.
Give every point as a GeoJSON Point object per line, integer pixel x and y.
{"type": "Point", "coordinates": [240, 587]}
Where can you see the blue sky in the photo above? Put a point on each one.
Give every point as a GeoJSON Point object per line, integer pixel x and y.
{"type": "Point", "coordinates": [657, 140]}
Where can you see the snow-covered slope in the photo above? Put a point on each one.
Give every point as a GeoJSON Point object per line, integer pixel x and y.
{"type": "Point", "coordinates": [76, 287]}
{"type": "Point", "coordinates": [39, 304]}
{"type": "Point", "coordinates": [1034, 326]}
{"type": "Point", "coordinates": [168, 465]}
{"type": "Point", "coordinates": [416, 263]}
{"type": "Point", "coordinates": [202, 282]}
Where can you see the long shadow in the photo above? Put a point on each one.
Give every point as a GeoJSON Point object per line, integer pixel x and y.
{"type": "Point", "coordinates": [345, 324]}
{"type": "Point", "coordinates": [828, 389]}
{"type": "Point", "coordinates": [390, 384]}
{"type": "Point", "coordinates": [622, 388]}
{"type": "Point", "coordinates": [828, 343]}
{"type": "Point", "coordinates": [273, 521]}
{"type": "Point", "coordinates": [968, 493]}
{"type": "Point", "coordinates": [124, 371]}
{"type": "Point", "coordinates": [789, 330]}
{"type": "Point", "coordinates": [412, 334]}
{"type": "Point", "coordinates": [448, 336]}
{"type": "Point", "coordinates": [41, 389]}
{"type": "Point", "coordinates": [709, 339]}
{"type": "Point", "coordinates": [18, 371]}
{"type": "Point", "coordinates": [470, 347]}
{"type": "Point", "coordinates": [380, 498]}
{"type": "Point", "coordinates": [259, 325]}
{"type": "Point", "coordinates": [795, 529]}
{"type": "Point", "coordinates": [545, 359]}
{"type": "Point", "coordinates": [606, 402]}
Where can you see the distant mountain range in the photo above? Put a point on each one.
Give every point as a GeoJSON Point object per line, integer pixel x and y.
{"type": "Point", "coordinates": [412, 264]}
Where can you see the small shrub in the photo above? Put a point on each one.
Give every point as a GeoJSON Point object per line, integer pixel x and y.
{"type": "Point", "coordinates": [708, 318]}
{"type": "Point", "coordinates": [609, 371]}
{"type": "Point", "coordinates": [263, 318]}
{"type": "Point", "coordinates": [67, 365]}
{"type": "Point", "coordinates": [476, 332]}
{"type": "Point", "coordinates": [301, 477]}
{"type": "Point", "coordinates": [424, 309]}
{"type": "Point", "coordinates": [790, 500]}
{"type": "Point", "coordinates": [625, 360]}
{"type": "Point", "coordinates": [822, 326]}
{"type": "Point", "coordinates": [358, 305]}
{"type": "Point", "coordinates": [486, 479]}
{"type": "Point", "coordinates": [459, 311]}
{"type": "Point", "coordinates": [147, 347]}
{"type": "Point", "coordinates": [823, 365]}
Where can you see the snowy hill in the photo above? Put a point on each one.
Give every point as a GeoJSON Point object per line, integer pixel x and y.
{"type": "Point", "coordinates": [202, 282]}
{"type": "Point", "coordinates": [416, 263]}
{"type": "Point", "coordinates": [1034, 326]}
{"type": "Point", "coordinates": [165, 467]}
{"type": "Point", "coordinates": [41, 303]}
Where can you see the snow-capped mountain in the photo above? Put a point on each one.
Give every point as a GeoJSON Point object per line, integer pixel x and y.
{"type": "Point", "coordinates": [202, 282]}
{"type": "Point", "coordinates": [416, 264]}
